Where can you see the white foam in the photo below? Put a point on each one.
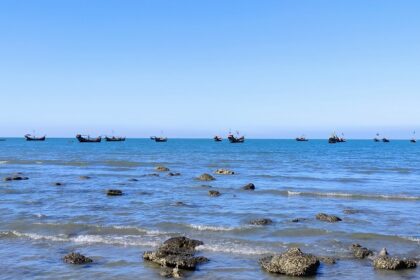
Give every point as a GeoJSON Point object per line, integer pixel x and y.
{"type": "Point", "coordinates": [3, 161]}
{"type": "Point", "coordinates": [235, 249]}
{"type": "Point", "coordinates": [211, 228]}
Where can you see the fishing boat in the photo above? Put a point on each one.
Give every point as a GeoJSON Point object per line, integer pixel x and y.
{"type": "Point", "coordinates": [376, 139]}
{"type": "Point", "coordinates": [385, 140]}
{"type": "Point", "coordinates": [159, 139]}
{"type": "Point", "coordinates": [88, 139]}
{"type": "Point", "coordinates": [335, 139]}
{"type": "Point", "coordinates": [114, 139]}
{"type": "Point", "coordinates": [413, 140]}
{"type": "Point", "coordinates": [302, 139]}
{"type": "Point", "coordinates": [236, 139]}
{"type": "Point", "coordinates": [342, 139]}
{"type": "Point", "coordinates": [30, 137]}
{"type": "Point", "coordinates": [217, 138]}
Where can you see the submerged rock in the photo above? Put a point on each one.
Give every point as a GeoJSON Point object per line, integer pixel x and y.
{"type": "Point", "coordinates": [171, 273]}
{"type": "Point", "coordinates": [224, 172]}
{"type": "Point", "coordinates": [261, 222]}
{"type": "Point", "coordinates": [177, 252]}
{"type": "Point", "coordinates": [161, 168]}
{"type": "Point", "coordinates": [180, 203]}
{"type": "Point", "coordinates": [249, 187]}
{"type": "Point", "coordinates": [174, 174]}
{"type": "Point", "coordinates": [16, 177]}
{"type": "Point", "coordinates": [84, 177]}
{"type": "Point", "coordinates": [76, 258]}
{"type": "Point", "coordinates": [291, 263]}
{"type": "Point", "coordinates": [384, 261]}
{"type": "Point", "coordinates": [214, 193]}
{"type": "Point", "coordinates": [298, 220]}
{"type": "Point", "coordinates": [327, 218]}
{"type": "Point", "coordinates": [58, 184]}
{"type": "Point", "coordinates": [133, 180]}
{"type": "Point", "coordinates": [114, 192]}
{"type": "Point", "coordinates": [206, 177]}
{"type": "Point", "coordinates": [360, 252]}
{"type": "Point", "coordinates": [327, 260]}
{"type": "Point", "coordinates": [150, 175]}
{"type": "Point", "coordinates": [351, 211]}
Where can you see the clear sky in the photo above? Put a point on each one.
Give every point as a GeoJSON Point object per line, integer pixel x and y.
{"type": "Point", "coordinates": [197, 68]}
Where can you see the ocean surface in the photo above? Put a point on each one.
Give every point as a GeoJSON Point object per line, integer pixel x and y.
{"type": "Point", "coordinates": [42, 222]}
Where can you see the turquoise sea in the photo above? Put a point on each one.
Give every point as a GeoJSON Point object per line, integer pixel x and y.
{"type": "Point", "coordinates": [42, 222]}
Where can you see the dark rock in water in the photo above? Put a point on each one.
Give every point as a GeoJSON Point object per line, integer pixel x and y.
{"type": "Point", "coordinates": [177, 252]}
{"type": "Point", "coordinates": [150, 175]}
{"type": "Point", "coordinates": [84, 177]}
{"type": "Point", "coordinates": [327, 218]}
{"type": "Point", "coordinates": [171, 273]}
{"type": "Point", "coordinates": [298, 220]}
{"type": "Point", "coordinates": [58, 184]}
{"type": "Point", "coordinates": [360, 252]}
{"type": "Point", "coordinates": [214, 193]}
{"type": "Point", "coordinates": [261, 222]}
{"type": "Point", "coordinates": [206, 177]}
{"type": "Point", "coordinates": [291, 263]}
{"type": "Point", "coordinates": [133, 180]}
{"type": "Point", "coordinates": [327, 260]}
{"type": "Point", "coordinates": [383, 261]}
{"type": "Point", "coordinates": [206, 186]}
{"type": "Point", "coordinates": [114, 192]}
{"type": "Point", "coordinates": [249, 186]}
{"type": "Point", "coordinates": [174, 174]}
{"type": "Point", "coordinates": [224, 172]}
{"type": "Point", "coordinates": [351, 211]}
{"type": "Point", "coordinates": [16, 178]}
{"type": "Point", "coordinates": [162, 168]}
{"type": "Point", "coordinates": [76, 258]}
{"type": "Point", "coordinates": [180, 203]}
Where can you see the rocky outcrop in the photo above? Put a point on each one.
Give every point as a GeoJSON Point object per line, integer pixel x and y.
{"type": "Point", "coordinates": [291, 263]}
{"type": "Point", "coordinates": [360, 252]}
{"type": "Point", "coordinates": [261, 222]}
{"type": "Point", "coordinates": [114, 192]}
{"type": "Point", "coordinates": [16, 177]}
{"type": "Point", "coordinates": [214, 193]}
{"type": "Point", "coordinates": [174, 174]}
{"type": "Point", "coordinates": [224, 172]}
{"type": "Point", "coordinates": [327, 218]}
{"type": "Point", "coordinates": [161, 168]}
{"type": "Point", "coordinates": [76, 258]}
{"type": "Point", "coordinates": [178, 252]}
{"type": "Point", "coordinates": [206, 177]}
{"type": "Point", "coordinates": [249, 187]}
{"type": "Point", "coordinates": [384, 261]}
{"type": "Point", "coordinates": [57, 184]}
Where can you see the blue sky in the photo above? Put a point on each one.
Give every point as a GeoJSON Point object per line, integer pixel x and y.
{"type": "Point", "coordinates": [197, 68]}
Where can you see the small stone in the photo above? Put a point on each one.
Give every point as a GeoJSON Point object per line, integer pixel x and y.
{"type": "Point", "coordinates": [327, 218]}
{"type": "Point", "coordinates": [114, 192]}
{"type": "Point", "coordinates": [298, 220]}
{"type": "Point", "coordinates": [84, 177]}
{"type": "Point", "coordinates": [133, 180]}
{"type": "Point", "coordinates": [351, 211]}
{"type": "Point", "coordinates": [249, 187]}
{"type": "Point", "coordinates": [214, 193]}
{"type": "Point", "coordinates": [360, 252]}
{"type": "Point", "coordinates": [174, 174]}
{"type": "Point", "coordinates": [206, 177]}
{"type": "Point", "coordinates": [327, 260]}
{"type": "Point", "coordinates": [76, 258]}
{"type": "Point", "coordinates": [58, 184]}
{"type": "Point", "coordinates": [161, 168]}
{"type": "Point", "coordinates": [224, 172]}
{"type": "Point", "coordinates": [261, 222]}
{"type": "Point", "coordinates": [180, 203]}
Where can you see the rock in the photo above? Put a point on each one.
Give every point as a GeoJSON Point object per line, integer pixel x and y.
{"type": "Point", "coordinates": [150, 175]}
{"type": "Point", "coordinates": [261, 222]}
{"type": "Point", "coordinates": [177, 252]}
{"type": "Point", "coordinates": [351, 211]}
{"type": "Point", "coordinates": [84, 177]}
{"type": "Point", "coordinates": [206, 177]}
{"type": "Point", "coordinates": [214, 193]}
{"type": "Point", "coordinates": [327, 260]}
{"type": "Point", "coordinates": [383, 261]}
{"type": "Point", "coordinates": [76, 258]}
{"type": "Point", "coordinates": [133, 180]}
{"type": "Point", "coordinates": [114, 192]}
{"type": "Point", "coordinates": [360, 252]}
{"type": "Point", "coordinates": [162, 168]}
{"type": "Point", "coordinates": [298, 220]}
{"type": "Point", "coordinates": [180, 203]}
{"type": "Point", "coordinates": [15, 178]}
{"type": "Point", "coordinates": [291, 263]}
{"type": "Point", "coordinates": [174, 174]}
{"type": "Point", "coordinates": [224, 172]}
{"type": "Point", "coordinates": [327, 218]}
{"type": "Point", "coordinates": [249, 186]}
{"type": "Point", "coordinates": [58, 184]}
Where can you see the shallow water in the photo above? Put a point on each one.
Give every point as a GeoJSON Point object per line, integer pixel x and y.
{"type": "Point", "coordinates": [42, 222]}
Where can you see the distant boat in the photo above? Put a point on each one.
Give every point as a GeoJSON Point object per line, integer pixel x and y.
{"type": "Point", "coordinates": [413, 140]}
{"type": "Point", "coordinates": [236, 139]}
{"type": "Point", "coordinates": [30, 137]}
{"type": "Point", "coordinates": [302, 139]}
{"type": "Point", "coordinates": [335, 139]}
{"type": "Point", "coordinates": [88, 139]}
{"type": "Point", "coordinates": [217, 138]}
{"type": "Point", "coordinates": [159, 139]}
{"type": "Point", "coordinates": [376, 139]}
{"type": "Point", "coordinates": [114, 139]}
{"type": "Point", "coordinates": [385, 140]}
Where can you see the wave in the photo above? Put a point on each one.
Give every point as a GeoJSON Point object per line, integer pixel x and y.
{"type": "Point", "coordinates": [3, 161]}
{"type": "Point", "coordinates": [309, 178]}
{"type": "Point", "coordinates": [235, 249]}
{"type": "Point", "coordinates": [342, 195]}
{"type": "Point", "coordinates": [219, 228]}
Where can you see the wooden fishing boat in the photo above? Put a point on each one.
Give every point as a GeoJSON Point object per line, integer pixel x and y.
{"type": "Point", "coordinates": [217, 138]}
{"type": "Point", "coordinates": [159, 139]}
{"type": "Point", "coordinates": [114, 139]}
{"type": "Point", "coordinates": [302, 139]}
{"type": "Point", "coordinates": [236, 139]}
{"type": "Point", "coordinates": [88, 139]}
{"type": "Point", "coordinates": [30, 137]}
{"type": "Point", "coordinates": [413, 141]}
